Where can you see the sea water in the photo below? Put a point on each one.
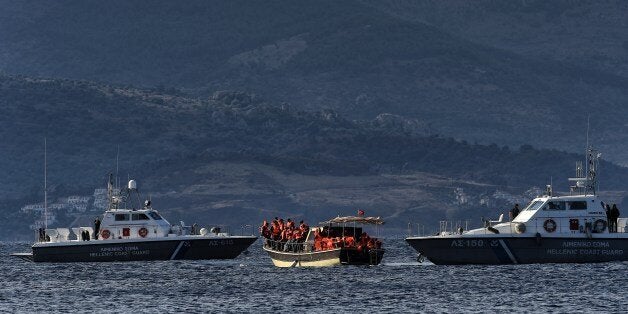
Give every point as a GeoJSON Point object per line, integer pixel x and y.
{"type": "Point", "coordinates": [250, 283]}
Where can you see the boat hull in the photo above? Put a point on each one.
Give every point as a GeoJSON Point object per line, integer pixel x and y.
{"type": "Point", "coordinates": [519, 250]}
{"type": "Point", "coordinates": [181, 248]}
{"type": "Point", "coordinates": [335, 257]}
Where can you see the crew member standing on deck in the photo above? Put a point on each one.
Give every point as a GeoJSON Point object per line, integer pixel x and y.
{"type": "Point", "coordinates": [96, 227]}
{"type": "Point", "coordinates": [608, 217]}
{"type": "Point", "coordinates": [514, 212]}
{"type": "Point", "coordinates": [614, 216]}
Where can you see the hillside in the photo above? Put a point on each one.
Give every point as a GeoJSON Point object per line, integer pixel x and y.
{"type": "Point", "coordinates": [231, 155]}
{"type": "Point", "coordinates": [484, 72]}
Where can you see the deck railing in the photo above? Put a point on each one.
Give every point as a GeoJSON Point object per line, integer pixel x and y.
{"type": "Point", "coordinates": [562, 226]}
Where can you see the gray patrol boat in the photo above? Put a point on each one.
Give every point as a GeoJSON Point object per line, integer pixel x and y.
{"type": "Point", "coordinates": [130, 234]}
{"type": "Point", "coordinates": [552, 229]}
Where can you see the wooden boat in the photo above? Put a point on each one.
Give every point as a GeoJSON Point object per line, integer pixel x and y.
{"type": "Point", "coordinates": [339, 241]}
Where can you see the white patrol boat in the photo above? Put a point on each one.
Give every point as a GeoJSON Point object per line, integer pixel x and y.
{"type": "Point", "coordinates": [551, 229]}
{"type": "Point", "coordinates": [123, 234]}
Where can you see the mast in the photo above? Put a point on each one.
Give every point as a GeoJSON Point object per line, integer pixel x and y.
{"type": "Point", "coordinates": [117, 168]}
{"type": "Point", "coordinates": [585, 181]}
{"type": "Point", "coordinates": [45, 183]}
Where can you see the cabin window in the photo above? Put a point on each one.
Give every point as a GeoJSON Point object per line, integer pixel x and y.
{"type": "Point", "coordinates": [534, 205]}
{"type": "Point", "coordinates": [155, 215]}
{"type": "Point", "coordinates": [578, 205]}
{"type": "Point", "coordinates": [139, 217]}
{"type": "Point", "coordinates": [122, 217]}
{"type": "Point", "coordinates": [554, 205]}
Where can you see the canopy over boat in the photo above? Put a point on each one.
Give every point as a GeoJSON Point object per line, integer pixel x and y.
{"type": "Point", "coordinates": [356, 219]}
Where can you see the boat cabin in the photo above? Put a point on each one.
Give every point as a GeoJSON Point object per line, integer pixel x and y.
{"type": "Point", "coordinates": [127, 224]}
{"type": "Point", "coordinates": [563, 214]}
{"type": "Point", "coordinates": [119, 222]}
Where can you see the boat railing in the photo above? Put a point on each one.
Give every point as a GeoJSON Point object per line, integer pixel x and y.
{"type": "Point", "coordinates": [570, 225]}
{"type": "Point", "coordinates": [543, 225]}
{"type": "Point", "coordinates": [418, 229]}
{"type": "Point", "coordinates": [247, 230]}
{"type": "Point", "coordinates": [453, 227]}
{"type": "Point", "coordinates": [288, 246]}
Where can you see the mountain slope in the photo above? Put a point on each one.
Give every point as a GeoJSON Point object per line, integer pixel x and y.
{"type": "Point", "coordinates": [234, 158]}
{"type": "Point", "coordinates": [450, 65]}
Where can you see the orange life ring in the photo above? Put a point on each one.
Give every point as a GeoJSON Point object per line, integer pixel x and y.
{"type": "Point", "coordinates": [143, 232]}
{"type": "Point", "coordinates": [549, 225]}
{"type": "Point", "coordinates": [105, 234]}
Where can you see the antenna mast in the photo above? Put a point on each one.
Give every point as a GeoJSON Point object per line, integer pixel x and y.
{"type": "Point", "coordinates": [117, 168]}
{"type": "Point", "coordinates": [45, 183]}
{"type": "Point", "coordinates": [586, 181]}
{"type": "Point", "coordinates": [586, 149]}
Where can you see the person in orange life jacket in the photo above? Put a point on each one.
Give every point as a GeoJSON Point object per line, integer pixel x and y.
{"type": "Point", "coordinates": [282, 224]}
{"type": "Point", "coordinates": [290, 224]}
{"type": "Point", "coordinates": [276, 231]}
{"type": "Point", "coordinates": [329, 243]}
{"type": "Point", "coordinates": [349, 241]}
{"type": "Point", "coordinates": [303, 226]}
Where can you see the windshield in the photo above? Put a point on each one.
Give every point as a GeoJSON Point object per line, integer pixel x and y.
{"type": "Point", "coordinates": [534, 205]}
{"type": "Point", "coordinates": [154, 215]}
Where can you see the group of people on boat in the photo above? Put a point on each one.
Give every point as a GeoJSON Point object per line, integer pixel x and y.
{"type": "Point", "coordinates": [284, 234]}
{"type": "Point", "coordinates": [324, 240]}
{"type": "Point", "coordinates": [612, 214]}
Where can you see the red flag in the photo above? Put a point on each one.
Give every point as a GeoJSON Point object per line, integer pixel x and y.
{"type": "Point", "coordinates": [360, 212]}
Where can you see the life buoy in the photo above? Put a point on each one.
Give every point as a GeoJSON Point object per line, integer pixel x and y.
{"type": "Point", "coordinates": [549, 225]}
{"type": "Point", "coordinates": [599, 225]}
{"type": "Point", "coordinates": [105, 234]}
{"type": "Point", "coordinates": [520, 227]}
{"type": "Point", "coordinates": [143, 232]}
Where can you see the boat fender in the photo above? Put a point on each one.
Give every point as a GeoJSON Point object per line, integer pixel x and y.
{"type": "Point", "coordinates": [538, 239]}
{"type": "Point", "coordinates": [599, 226]}
{"type": "Point", "coordinates": [105, 234]}
{"type": "Point", "coordinates": [143, 232]}
{"type": "Point", "coordinates": [549, 225]}
{"type": "Point", "coordinates": [520, 227]}
{"type": "Point", "coordinates": [493, 230]}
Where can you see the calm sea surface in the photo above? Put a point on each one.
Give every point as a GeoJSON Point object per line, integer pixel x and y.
{"type": "Point", "coordinates": [251, 283]}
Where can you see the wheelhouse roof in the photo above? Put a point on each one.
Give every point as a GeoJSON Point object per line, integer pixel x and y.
{"type": "Point", "coordinates": [356, 219]}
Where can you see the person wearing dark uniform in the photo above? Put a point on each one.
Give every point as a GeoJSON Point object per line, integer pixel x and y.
{"type": "Point", "coordinates": [608, 217]}
{"type": "Point", "coordinates": [614, 217]}
{"type": "Point", "coordinates": [96, 227]}
{"type": "Point", "coordinates": [514, 212]}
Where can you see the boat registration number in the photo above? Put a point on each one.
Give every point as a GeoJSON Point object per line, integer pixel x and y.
{"type": "Point", "coordinates": [220, 242]}
{"type": "Point", "coordinates": [468, 243]}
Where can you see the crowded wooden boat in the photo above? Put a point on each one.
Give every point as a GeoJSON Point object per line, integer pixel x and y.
{"type": "Point", "coordinates": [339, 241]}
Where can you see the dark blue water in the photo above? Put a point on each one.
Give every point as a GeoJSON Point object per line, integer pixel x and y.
{"type": "Point", "coordinates": [251, 283]}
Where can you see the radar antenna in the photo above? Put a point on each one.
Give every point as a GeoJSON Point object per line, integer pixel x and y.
{"type": "Point", "coordinates": [586, 183]}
